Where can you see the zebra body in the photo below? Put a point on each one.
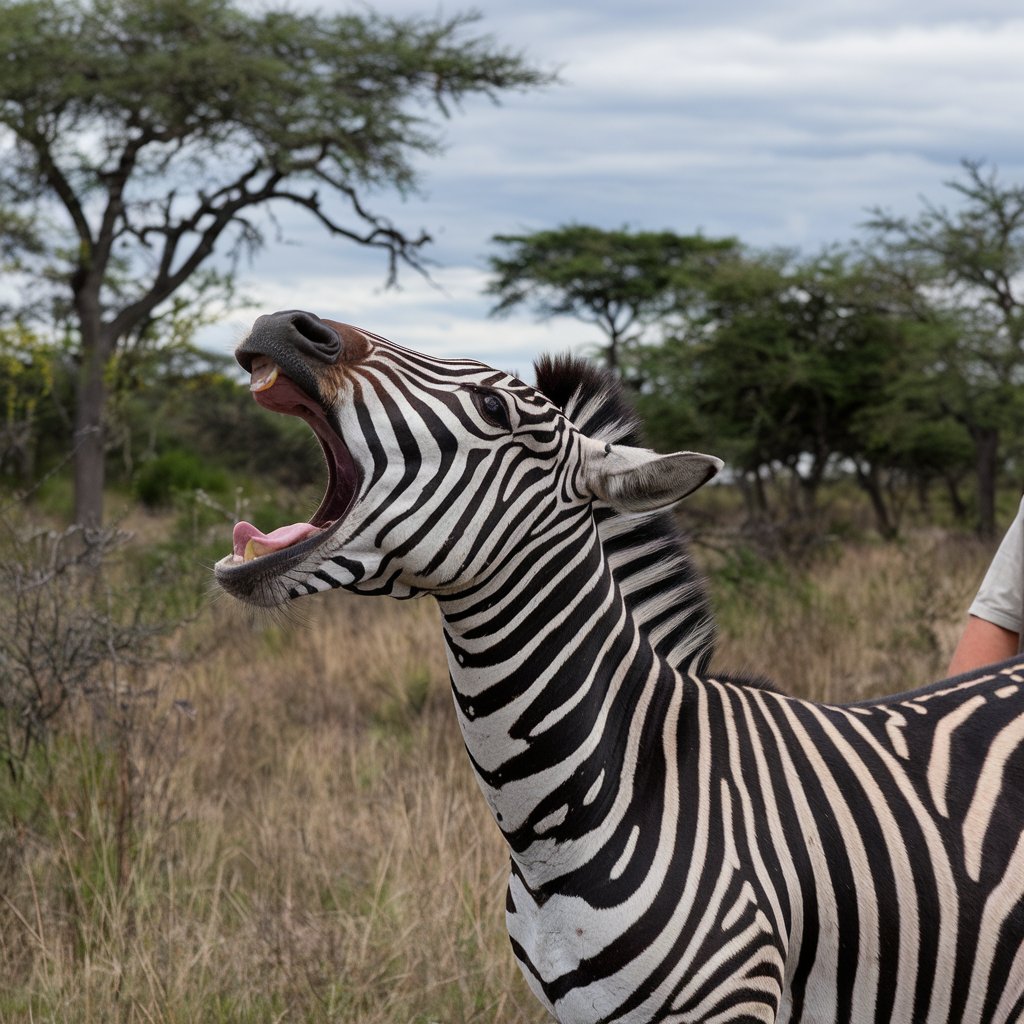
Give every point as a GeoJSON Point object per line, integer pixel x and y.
{"type": "Point", "coordinates": [683, 848]}
{"type": "Point", "coordinates": [895, 892]}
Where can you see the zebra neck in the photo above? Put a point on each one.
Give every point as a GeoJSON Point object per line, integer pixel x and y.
{"type": "Point", "coordinates": [662, 587]}
{"type": "Point", "coordinates": [553, 685]}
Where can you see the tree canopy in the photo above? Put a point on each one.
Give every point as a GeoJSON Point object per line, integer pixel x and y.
{"type": "Point", "coordinates": [139, 136]}
{"type": "Point", "coordinates": [623, 282]}
{"type": "Point", "coordinates": [966, 263]}
{"type": "Point", "coordinates": [897, 359]}
{"type": "Point", "coordinates": [804, 365]}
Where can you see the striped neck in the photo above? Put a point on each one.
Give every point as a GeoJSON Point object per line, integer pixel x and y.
{"type": "Point", "coordinates": [647, 553]}
{"type": "Point", "coordinates": [554, 686]}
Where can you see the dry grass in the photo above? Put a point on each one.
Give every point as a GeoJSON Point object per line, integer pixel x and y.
{"type": "Point", "coordinates": [867, 619]}
{"type": "Point", "coordinates": [312, 846]}
{"type": "Point", "coordinates": [320, 852]}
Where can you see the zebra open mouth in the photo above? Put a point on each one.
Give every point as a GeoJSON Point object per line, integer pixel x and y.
{"type": "Point", "coordinates": [276, 391]}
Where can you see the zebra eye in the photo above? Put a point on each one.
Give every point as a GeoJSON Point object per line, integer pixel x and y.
{"type": "Point", "coordinates": [492, 408]}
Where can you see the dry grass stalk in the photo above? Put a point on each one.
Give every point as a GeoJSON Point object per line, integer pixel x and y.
{"type": "Point", "coordinates": [318, 850]}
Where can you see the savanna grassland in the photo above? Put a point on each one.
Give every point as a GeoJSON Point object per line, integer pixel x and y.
{"type": "Point", "coordinates": [276, 822]}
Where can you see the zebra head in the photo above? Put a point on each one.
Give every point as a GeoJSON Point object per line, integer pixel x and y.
{"type": "Point", "coordinates": [437, 468]}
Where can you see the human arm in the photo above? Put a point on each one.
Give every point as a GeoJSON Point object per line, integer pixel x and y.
{"type": "Point", "coordinates": [981, 643]}
{"type": "Point", "coordinates": [994, 619]}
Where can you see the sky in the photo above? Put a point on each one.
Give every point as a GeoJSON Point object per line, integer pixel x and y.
{"type": "Point", "coordinates": [781, 123]}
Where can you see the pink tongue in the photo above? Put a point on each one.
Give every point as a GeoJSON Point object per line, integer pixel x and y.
{"type": "Point", "coordinates": [282, 537]}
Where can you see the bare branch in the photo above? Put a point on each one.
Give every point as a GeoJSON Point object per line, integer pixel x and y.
{"type": "Point", "coordinates": [58, 181]}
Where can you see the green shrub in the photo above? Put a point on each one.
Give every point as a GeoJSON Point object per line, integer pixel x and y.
{"type": "Point", "coordinates": [161, 478]}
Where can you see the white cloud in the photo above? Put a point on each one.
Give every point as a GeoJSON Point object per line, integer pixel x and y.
{"type": "Point", "coordinates": [780, 123]}
{"type": "Point", "coordinates": [727, 62]}
{"type": "Point", "coordinates": [449, 319]}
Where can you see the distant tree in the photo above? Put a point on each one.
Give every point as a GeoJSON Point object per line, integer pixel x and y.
{"type": "Point", "coordinates": [968, 263]}
{"type": "Point", "coordinates": [722, 381]}
{"type": "Point", "coordinates": [622, 282]}
{"type": "Point", "coordinates": [791, 369]}
{"type": "Point", "coordinates": [902, 432]}
{"type": "Point", "coordinates": [180, 399]}
{"type": "Point", "coordinates": [138, 137]}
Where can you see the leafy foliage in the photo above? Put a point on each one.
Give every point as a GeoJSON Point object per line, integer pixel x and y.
{"type": "Point", "coordinates": [804, 365]}
{"type": "Point", "coordinates": [899, 359]}
{"type": "Point", "coordinates": [33, 406]}
{"type": "Point", "coordinates": [183, 401]}
{"type": "Point", "coordinates": [966, 262]}
{"type": "Point", "coordinates": [623, 282]}
{"type": "Point", "coordinates": [175, 124]}
{"type": "Point", "coordinates": [175, 471]}
{"type": "Point", "coordinates": [181, 116]}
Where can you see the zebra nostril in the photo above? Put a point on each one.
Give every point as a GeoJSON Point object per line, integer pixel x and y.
{"type": "Point", "coordinates": [317, 338]}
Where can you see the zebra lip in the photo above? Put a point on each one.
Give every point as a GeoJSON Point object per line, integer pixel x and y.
{"type": "Point", "coordinates": [283, 395]}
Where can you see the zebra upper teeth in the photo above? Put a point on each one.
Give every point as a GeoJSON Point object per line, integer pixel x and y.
{"type": "Point", "coordinates": [264, 373]}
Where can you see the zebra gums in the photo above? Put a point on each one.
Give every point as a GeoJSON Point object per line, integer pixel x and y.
{"type": "Point", "coordinates": [684, 847]}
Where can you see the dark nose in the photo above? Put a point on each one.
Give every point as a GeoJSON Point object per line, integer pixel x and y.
{"type": "Point", "coordinates": [291, 330]}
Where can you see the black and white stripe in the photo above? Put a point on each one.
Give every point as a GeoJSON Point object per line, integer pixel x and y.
{"type": "Point", "coordinates": [684, 848]}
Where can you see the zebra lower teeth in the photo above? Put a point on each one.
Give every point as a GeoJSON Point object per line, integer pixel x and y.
{"type": "Point", "coordinates": [253, 549]}
{"type": "Point", "coordinates": [249, 543]}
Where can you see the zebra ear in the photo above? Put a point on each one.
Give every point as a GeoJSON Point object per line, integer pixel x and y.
{"type": "Point", "coordinates": [638, 480]}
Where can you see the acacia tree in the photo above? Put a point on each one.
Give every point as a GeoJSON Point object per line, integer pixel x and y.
{"type": "Point", "coordinates": [967, 262]}
{"type": "Point", "coordinates": [623, 282]}
{"type": "Point", "coordinates": [138, 137]}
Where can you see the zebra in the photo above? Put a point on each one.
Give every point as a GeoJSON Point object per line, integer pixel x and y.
{"type": "Point", "coordinates": [684, 846]}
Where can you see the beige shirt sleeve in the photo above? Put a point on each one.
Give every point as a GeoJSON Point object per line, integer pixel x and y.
{"type": "Point", "coordinates": [1001, 596]}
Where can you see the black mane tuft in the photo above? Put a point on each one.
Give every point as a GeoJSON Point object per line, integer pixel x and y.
{"type": "Point", "coordinates": [592, 397]}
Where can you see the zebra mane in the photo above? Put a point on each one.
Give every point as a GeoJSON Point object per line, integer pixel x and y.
{"type": "Point", "coordinates": [647, 552]}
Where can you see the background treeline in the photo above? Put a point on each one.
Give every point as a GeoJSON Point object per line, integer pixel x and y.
{"type": "Point", "coordinates": [893, 364]}
{"type": "Point", "coordinates": [894, 360]}
{"type": "Point", "coordinates": [178, 421]}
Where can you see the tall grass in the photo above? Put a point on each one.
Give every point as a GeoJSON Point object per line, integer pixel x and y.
{"type": "Point", "coordinates": [311, 845]}
{"type": "Point", "coordinates": [319, 852]}
{"type": "Point", "coordinates": [865, 619]}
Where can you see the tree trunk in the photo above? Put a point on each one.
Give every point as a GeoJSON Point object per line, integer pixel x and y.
{"type": "Point", "coordinates": [754, 497]}
{"type": "Point", "coordinates": [90, 410]}
{"type": "Point", "coordinates": [761, 494]}
{"type": "Point", "coordinates": [884, 521]}
{"type": "Point", "coordinates": [986, 452]}
{"type": "Point", "coordinates": [611, 352]}
{"type": "Point", "coordinates": [923, 489]}
{"type": "Point", "coordinates": [811, 483]}
{"type": "Point", "coordinates": [956, 503]}
{"type": "Point", "coordinates": [797, 501]}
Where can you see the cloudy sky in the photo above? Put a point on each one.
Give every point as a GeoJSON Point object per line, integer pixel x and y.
{"type": "Point", "coordinates": [778, 122]}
